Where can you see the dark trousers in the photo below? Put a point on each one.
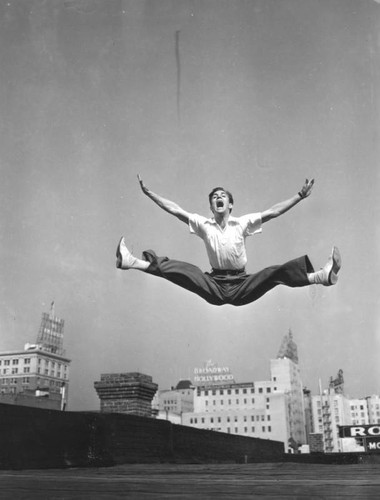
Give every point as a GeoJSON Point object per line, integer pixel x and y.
{"type": "Point", "coordinates": [236, 290]}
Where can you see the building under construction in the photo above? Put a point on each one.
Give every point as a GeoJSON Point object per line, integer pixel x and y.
{"type": "Point", "coordinates": [38, 375]}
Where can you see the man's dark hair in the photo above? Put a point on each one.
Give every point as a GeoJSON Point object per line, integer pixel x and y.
{"type": "Point", "coordinates": [230, 197]}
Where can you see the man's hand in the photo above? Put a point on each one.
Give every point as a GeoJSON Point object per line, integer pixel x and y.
{"type": "Point", "coordinates": [306, 189]}
{"type": "Point", "coordinates": [142, 185]}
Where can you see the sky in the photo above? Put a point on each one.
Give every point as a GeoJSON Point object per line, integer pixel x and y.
{"type": "Point", "coordinates": [252, 95]}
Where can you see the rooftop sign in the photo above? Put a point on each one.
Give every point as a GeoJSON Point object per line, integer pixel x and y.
{"type": "Point", "coordinates": [212, 374]}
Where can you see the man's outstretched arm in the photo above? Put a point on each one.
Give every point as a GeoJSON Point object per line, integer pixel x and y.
{"type": "Point", "coordinates": [284, 206]}
{"type": "Point", "coordinates": [167, 205]}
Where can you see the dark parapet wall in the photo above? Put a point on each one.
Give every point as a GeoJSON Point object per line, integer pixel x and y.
{"type": "Point", "coordinates": [34, 438]}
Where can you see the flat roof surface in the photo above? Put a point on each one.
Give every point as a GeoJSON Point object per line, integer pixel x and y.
{"type": "Point", "coordinates": [190, 481]}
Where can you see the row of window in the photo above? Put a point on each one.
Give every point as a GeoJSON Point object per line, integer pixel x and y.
{"type": "Point", "coordinates": [14, 371]}
{"type": "Point", "coordinates": [27, 361]}
{"type": "Point", "coordinates": [236, 418]}
{"type": "Point", "coordinates": [230, 402]}
{"type": "Point", "coordinates": [221, 392]}
{"type": "Point", "coordinates": [245, 430]}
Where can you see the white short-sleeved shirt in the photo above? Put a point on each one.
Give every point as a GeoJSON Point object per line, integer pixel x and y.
{"type": "Point", "coordinates": [226, 247]}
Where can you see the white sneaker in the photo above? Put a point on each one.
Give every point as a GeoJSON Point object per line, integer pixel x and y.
{"type": "Point", "coordinates": [328, 275]}
{"type": "Point", "coordinates": [124, 258]}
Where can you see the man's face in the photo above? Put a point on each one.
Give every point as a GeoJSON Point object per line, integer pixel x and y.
{"type": "Point", "coordinates": [220, 203]}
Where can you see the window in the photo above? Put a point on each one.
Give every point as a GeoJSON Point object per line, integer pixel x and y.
{"type": "Point", "coordinates": [252, 390]}
{"type": "Point", "coordinates": [236, 391]}
{"type": "Point", "coordinates": [268, 389]}
{"type": "Point", "coordinates": [228, 391]}
{"type": "Point", "coordinates": [252, 429]}
{"type": "Point", "coordinates": [244, 391]}
{"type": "Point", "coordinates": [14, 361]}
{"type": "Point", "coordinates": [7, 362]}
{"type": "Point", "coordinates": [14, 371]}
{"type": "Point", "coordinates": [26, 369]}
{"type": "Point", "coordinates": [263, 428]}
{"type": "Point", "coordinates": [237, 401]}
{"type": "Point", "coordinates": [260, 390]}
{"type": "Point", "coordinates": [253, 400]}
{"type": "Point", "coordinates": [268, 417]}
{"type": "Point", "coordinates": [27, 361]}
{"type": "Point", "coordinates": [269, 428]}
{"type": "Point", "coordinates": [245, 429]}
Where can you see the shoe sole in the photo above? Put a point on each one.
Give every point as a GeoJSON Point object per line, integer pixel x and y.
{"type": "Point", "coordinates": [119, 257]}
{"type": "Point", "coordinates": [336, 265]}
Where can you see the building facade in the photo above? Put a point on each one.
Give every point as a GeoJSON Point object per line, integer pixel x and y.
{"type": "Point", "coordinates": [39, 374]}
{"type": "Point", "coordinates": [331, 409]}
{"type": "Point", "coordinates": [170, 404]}
{"type": "Point", "coordinates": [373, 408]}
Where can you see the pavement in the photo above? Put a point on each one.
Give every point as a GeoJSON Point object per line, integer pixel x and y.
{"type": "Point", "coordinates": [195, 481]}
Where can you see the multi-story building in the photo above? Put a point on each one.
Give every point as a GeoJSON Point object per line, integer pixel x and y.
{"type": "Point", "coordinates": [170, 404]}
{"type": "Point", "coordinates": [269, 409]}
{"type": "Point", "coordinates": [373, 408]}
{"type": "Point", "coordinates": [359, 411]}
{"type": "Point", "coordinates": [330, 409]}
{"type": "Point", "coordinates": [38, 375]}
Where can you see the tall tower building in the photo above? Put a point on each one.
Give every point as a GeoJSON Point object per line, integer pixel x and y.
{"type": "Point", "coordinates": [38, 375]}
{"type": "Point", "coordinates": [286, 376]}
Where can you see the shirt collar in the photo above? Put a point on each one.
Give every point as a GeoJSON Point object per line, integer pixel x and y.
{"type": "Point", "coordinates": [231, 218]}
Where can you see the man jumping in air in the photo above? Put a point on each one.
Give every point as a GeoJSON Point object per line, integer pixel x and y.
{"type": "Point", "coordinates": [224, 237]}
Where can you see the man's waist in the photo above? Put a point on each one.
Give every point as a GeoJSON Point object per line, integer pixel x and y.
{"type": "Point", "coordinates": [228, 272]}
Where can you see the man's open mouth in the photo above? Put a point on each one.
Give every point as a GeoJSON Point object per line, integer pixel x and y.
{"type": "Point", "coordinates": [219, 204]}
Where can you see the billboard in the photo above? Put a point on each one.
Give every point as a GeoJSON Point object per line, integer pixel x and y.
{"type": "Point", "coordinates": [367, 435]}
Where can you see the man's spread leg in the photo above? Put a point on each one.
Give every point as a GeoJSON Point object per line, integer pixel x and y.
{"type": "Point", "coordinates": [253, 286]}
{"type": "Point", "coordinates": [186, 276]}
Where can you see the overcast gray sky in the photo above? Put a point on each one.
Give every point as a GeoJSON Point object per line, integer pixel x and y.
{"type": "Point", "coordinates": [266, 93]}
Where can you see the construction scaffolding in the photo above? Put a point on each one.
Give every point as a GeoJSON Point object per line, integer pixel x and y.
{"type": "Point", "coordinates": [50, 335]}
